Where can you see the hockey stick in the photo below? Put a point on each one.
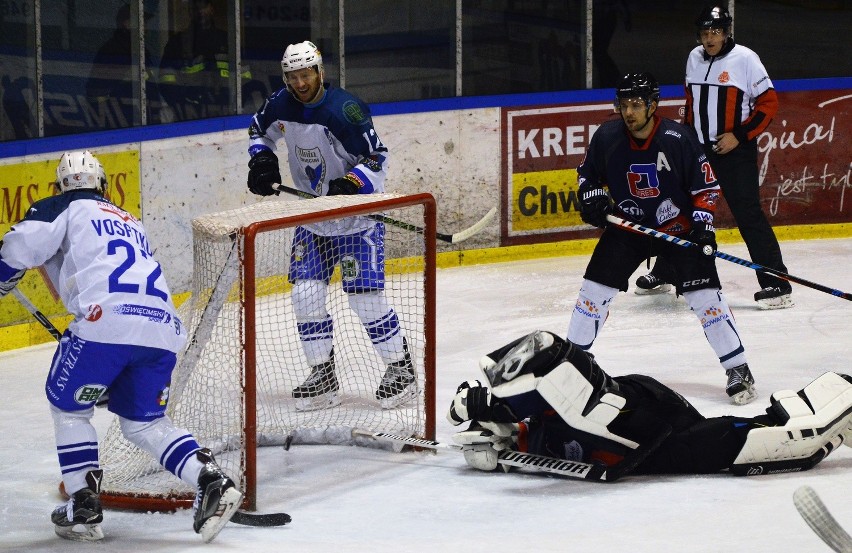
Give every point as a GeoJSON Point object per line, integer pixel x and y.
{"type": "Point", "coordinates": [454, 238]}
{"type": "Point", "coordinates": [38, 315]}
{"type": "Point", "coordinates": [728, 257]}
{"type": "Point", "coordinates": [509, 458]}
{"type": "Point", "coordinates": [815, 513]}
{"type": "Point", "coordinates": [240, 517]}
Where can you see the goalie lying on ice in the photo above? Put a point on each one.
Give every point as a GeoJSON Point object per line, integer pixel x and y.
{"type": "Point", "coordinates": [545, 395]}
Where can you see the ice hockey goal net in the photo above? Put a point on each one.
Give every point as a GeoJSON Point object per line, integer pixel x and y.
{"type": "Point", "coordinates": [232, 387]}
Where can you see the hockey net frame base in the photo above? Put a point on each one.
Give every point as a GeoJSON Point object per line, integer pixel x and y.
{"type": "Point", "coordinates": [236, 285]}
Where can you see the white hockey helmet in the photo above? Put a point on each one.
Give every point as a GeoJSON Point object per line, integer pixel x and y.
{"type": "Point", "coordinates": [300, 56]}
{"type": "Point", "coordinates": [80, 170]}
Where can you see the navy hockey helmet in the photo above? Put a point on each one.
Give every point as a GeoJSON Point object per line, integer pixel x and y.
{"type": "Point", "coordinates": [638, 85]}
{"type": "Point", "coordinates": [714, 17]}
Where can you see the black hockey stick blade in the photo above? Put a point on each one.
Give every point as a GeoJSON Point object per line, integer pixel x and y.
{"type": "Point", "coordinates": [727, 257]}
{"type": "Point", "coordinates": [38, 315]}
{"type": "Point", "coordinates": [454, 238]}
{"type": "Point", "coordinates": [261, 519]}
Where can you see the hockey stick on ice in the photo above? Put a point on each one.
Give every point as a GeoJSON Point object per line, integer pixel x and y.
{"type": "Point", "coordinates": [38, 315]}
{"type": "Point", "coordinates": [538, 463]}
{"type": "Point", "coordinates": [240, 517]}
{"type": "Point", "coordinates": [815, 513]}
{"type": "Point", "coordinates": [454, 238]}
{"type": "Point", "coordinates": [728, 257]}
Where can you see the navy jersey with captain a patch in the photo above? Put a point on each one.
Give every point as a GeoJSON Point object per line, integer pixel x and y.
{"type": "Point", "coordinates": [664, 182]}
{"type": "Point", "coordinates": [326, 140]}
{"type": "Point", "coordinates": [98, 258]}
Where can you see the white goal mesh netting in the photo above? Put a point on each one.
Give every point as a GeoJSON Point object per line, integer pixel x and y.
{"type": "Point", "coordinates": [211, 392]}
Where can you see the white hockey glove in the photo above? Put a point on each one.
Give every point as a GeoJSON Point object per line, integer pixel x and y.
{"type": "Point", "coordinates": [8, 285]}
{"type": "Point", "coordinates": [483, 441]}
{"type": "Point", "coordinates": [474, 402]}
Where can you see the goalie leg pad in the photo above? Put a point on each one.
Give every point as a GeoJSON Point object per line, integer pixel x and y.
{"type": "Point", "coordinates": [812, 420]}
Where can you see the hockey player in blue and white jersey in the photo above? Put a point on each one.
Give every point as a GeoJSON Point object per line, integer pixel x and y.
{"type": "Point", "coordinates": [123, 339]}
{"type": "Point", "coordinates": [332, 149]}
{"type": "Point", "coordinates": [657, 176]}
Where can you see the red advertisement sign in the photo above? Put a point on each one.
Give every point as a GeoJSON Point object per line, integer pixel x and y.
{"type": "Point", "coordinates": [804, 159]}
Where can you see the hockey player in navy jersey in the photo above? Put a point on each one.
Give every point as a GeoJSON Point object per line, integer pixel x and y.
{"type": "Point", "coordinates": [544, 395]}
{"type": "Point", "coordinates": [332, 149]}
{"type": "Point", "coordinates": [657, 176]}
{"type": "Point", "coordinates": [123, 339]}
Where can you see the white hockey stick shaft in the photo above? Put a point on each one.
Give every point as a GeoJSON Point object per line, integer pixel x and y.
{"type": "Point", "coordinates": [538, 463]}
{"type": "Point", "coordinates": [815, 513]}
{"type": "Point", "coordinates": [454, 238]}
{"type": "Point", "coordinates": [38, 315]}
{"type": "Point", "coordinates": [727, 257]}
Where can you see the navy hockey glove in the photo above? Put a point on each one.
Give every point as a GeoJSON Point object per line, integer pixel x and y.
{"type": "Point", "coordinates": [263, 173]}
{"type": "Point", "coordinates": [704, 235]}
{"type": "Point", "coordinates": [8, 285]}
{"type": "Point", "coordinates": [474, 402]}
{"type": "Point", "coordinates": [594, 206]}
{"type": "Point", "coordinates": [342, 186]}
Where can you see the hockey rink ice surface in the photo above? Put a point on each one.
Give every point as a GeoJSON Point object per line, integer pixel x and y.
{"type": "Point", "coordinates": [354, 499]}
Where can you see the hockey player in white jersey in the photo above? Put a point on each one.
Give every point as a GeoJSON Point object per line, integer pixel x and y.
{"type": "Point", "coordinates": [332, 149]}
{"type": "Point", "coordinates": [544, 395]}
{"type": "Point", "coordinates": [123, 339]}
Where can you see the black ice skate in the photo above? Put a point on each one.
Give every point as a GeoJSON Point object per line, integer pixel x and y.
{"type": "Point", "coordinates": [399, 384]}
{"type": "Point", "coordinates": [320, 389]}
{"type": "Point", "coordinates": [79, 519]}
{"type": "Point", "coordinates": [740, 387]}
{"type": "Point", "coordinates": [651, 284]}
{"type": "Point", "coordinates": [216, 500]}
{"type": "Point", "coordinates": [774, 297]}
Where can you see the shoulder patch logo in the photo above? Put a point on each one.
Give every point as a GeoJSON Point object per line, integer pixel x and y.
{"type": "Point", "coordinates": [724, 77]}
{"type": "Point", "coordinates": [353, 113]}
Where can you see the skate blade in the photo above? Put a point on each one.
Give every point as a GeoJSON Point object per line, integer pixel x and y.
{"type": "Point", "coordinates": [228, 505]}
{"type": "Point", "coordinates": [80, 532]}
{"type": "Point", "coordinates": [661, 289]}
{"type": "Point", "coordinates": [325, 401]}
{"type": "Point", "coordinates": [746, 396]}
{"type": "Point", "coordinates": [392, 402]}
{"type": "Point", "coordinates": [781, 302]}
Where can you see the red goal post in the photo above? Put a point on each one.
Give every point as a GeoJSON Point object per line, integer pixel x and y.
{"type": "Point", "coordinates": [232, 386]}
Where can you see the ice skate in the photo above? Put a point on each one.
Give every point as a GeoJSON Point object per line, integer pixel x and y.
{"type": "Point", "coordinates": [650, 284]}
{"type": "Point", "coordinates": [774, 297]}
{"type": "Point", "coordinates": [216, 500]}
{"type": "Point", "coordinates": [740, 387]}
{"type": "Point", "coordinates": [79, 519]}
{"type": "Point", "coordinates": [399, 384]}
{"type": "Point", "coordinates": [320, 390]}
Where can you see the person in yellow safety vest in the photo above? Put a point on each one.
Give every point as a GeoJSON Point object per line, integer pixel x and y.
{"type": "Point", "coordinates": [195, 70]}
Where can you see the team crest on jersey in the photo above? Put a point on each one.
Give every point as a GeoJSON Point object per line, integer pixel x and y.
{"type": "Point", "coordinates": [667, 211]}
{"type": "Point", "coordinates": [353, 112]}
{"type": "Point", "coordinates": [299, 251]}
{"type": "Point", "coordinates": [348, 268]}
{"type": "Point", "coordinates": [94, 313]}
{"type": "Point", "coordinates": [314, 166]}
{"type": "Point", "coordinates": [89, 393]}
{"type": "Point", "coordinates": [643, 181]}
{"type": "Point", "coordinates": [163, 396]}
{"type": "Point", "coordinates": [724, 77]}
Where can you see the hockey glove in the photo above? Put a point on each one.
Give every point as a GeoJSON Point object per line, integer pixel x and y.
{"type": "Point", "coordinates": [474, 402]}
{"type": "Point", "coordinates": [342, 187]}
{"type": "Point", "coordinates": [8, 285]}
{"type": "Point", "coordinates": [704, 235]}
{"type": "Point", "coordinates": [594, 206]}
{"type": "Point", "coordinates": [263, 173]}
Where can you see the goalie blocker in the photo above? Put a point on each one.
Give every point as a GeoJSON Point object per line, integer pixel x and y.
{"type": "Point", "coordinates": [546, 396]}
